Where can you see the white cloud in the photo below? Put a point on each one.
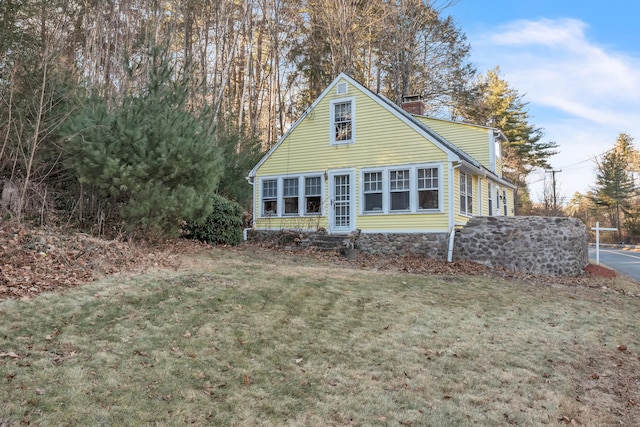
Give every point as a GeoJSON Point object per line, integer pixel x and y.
{"type": "Point", "coordinates": [556, 58]}
{"type": "Point", "coordinates": [581, 93]}
{"type": "Point", "coordinates": [545, 32]}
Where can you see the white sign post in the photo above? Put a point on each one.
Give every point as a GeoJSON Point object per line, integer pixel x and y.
{"type": "Point", "coordinates": [598, 230]}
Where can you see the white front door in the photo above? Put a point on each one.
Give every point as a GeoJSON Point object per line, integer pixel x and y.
{"type": "Point", "coordinates": [342, 206]}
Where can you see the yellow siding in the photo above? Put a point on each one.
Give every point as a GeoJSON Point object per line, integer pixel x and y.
{"type": "Point", "coordinates": [473, 140]}
{"type": "Point", "coordinates": [296, 223]}
{"type": "Point", "coordinates": [485, 197]}
{"type": "Point", "coordinates": [460, 219]}
{"type": "Point", "coordinates": [510, 202]}
{"type": "Point", "coordinates": [381, 139]}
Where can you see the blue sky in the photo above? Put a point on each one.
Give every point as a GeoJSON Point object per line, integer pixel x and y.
{"type": "Point", "coordinates": [577, 63]}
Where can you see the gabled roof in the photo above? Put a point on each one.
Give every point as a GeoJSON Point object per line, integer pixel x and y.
{"type": "Point", "coordinates": [496, 132]}
{"type": "Point", "coordinates": [426, 129]}
{"type": "Point", "coordinates": [454, 153]}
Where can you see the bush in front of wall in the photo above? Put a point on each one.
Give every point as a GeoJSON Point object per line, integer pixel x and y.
{"type": "Point", "coordinates": [222, 226]}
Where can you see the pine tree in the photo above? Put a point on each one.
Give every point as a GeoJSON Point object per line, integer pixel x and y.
{"type": "Point", "coordinates": [241, 153]}
{"type": "Point", "coordinates": [153, 162]}
{"type": "Point", "coordinates": [615, 185]}
{"type": "Point", "coordinates": [502, 107]}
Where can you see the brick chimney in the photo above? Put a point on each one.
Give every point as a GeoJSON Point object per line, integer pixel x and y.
{"type": "Point", "coordinates": [413, 105]}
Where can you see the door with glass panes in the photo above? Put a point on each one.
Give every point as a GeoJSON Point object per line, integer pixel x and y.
{"type": "Point", "coordinates": [342, 201]}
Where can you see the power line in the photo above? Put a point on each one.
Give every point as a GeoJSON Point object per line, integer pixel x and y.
{"type": "Point", "coordinates": [591, 159]}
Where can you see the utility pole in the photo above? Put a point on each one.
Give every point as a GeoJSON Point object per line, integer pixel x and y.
{"type": "Point", "coordinates": [553, 173]}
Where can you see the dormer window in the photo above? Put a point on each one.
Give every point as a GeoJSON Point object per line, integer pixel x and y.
{"type": "Point", "coordinates": [342, 122]}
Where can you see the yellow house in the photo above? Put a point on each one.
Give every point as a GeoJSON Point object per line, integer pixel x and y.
{"type": "Point", "coordinates": [356, 161]}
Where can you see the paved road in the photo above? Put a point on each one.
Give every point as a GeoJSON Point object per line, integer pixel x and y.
{"type": "Point", "coordinates": [626, 262]}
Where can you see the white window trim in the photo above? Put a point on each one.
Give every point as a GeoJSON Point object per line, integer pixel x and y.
{"type": "Point", "coordinates": [410, 190]}
{"type": "Point", "coordinates": [303, 191]}
{"type": "Point", "coordinates": [466, 175]}
{"type": "Point", "coordinates": [413, 189]}
{"type": "Point", "coordinates": [301, 195]}
{"type": "Point", "coordinates": [496, 191]}
{"type": "Point", "coordinates": [332, 128]}
{"type": "Point", "coordinates": [262, 198]}
{"type": "Point", "coordinates": [380, 191]}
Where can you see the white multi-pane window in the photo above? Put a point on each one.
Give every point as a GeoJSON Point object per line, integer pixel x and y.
{"type": "Point", "coordinates": [293, 195]}
{"type": "Point", "coordinates": [372, 191]}
{"type": "Point", "coordinates": [269, 197]}
{"type": "Point", "coordinates": [312, 195]}
{"type": "Point", "coordinates": [342, 121]}
{"type": "Point", "coordinates": [466, 193]}
{"type": "Point", "coordinates": [399, 190]}
{"type": "Point", "coordinates": [402, 189]}
{"type": "Point", "coordinates": [428, 190]}
{"type": "Point", "coordinates": [290, 195]}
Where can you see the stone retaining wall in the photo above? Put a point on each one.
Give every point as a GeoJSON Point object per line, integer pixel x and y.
{"type": "Point", "coordinates": [541, 245]}
{"type": "Point", "coordinates": [433, 245]}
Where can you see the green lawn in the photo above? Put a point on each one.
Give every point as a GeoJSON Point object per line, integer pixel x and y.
{"type": "Point", "coordinates": [252, 337]}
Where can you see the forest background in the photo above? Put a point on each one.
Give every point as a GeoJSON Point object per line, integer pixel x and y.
{"type": "Point", "coordinates": [129, 115]}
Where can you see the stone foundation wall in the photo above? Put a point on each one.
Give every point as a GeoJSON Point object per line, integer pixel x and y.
{"type": "Point", "coordinates": [432, 245]}
{"type": "Point", "coordinates": [540, 245]}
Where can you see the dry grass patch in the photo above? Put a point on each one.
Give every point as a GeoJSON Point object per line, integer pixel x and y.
{"type": "Point", "coordinates": [254, 337]}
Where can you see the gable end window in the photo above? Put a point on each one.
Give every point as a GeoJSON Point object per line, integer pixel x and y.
{"type": "Point", "coordinates": [342, 122]}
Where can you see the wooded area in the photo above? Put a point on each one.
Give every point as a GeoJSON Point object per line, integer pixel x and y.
{"type": "Point", "coordinates": [99, 98]}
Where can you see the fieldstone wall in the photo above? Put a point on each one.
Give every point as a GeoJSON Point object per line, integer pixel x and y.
{"type": "Point", "coordinates": [541, 245]}
{"type": "Point", "coordinates": [432, 245]}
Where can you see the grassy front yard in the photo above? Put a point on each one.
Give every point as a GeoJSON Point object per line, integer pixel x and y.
{"type": "Point", "coordinates": [252, 337]}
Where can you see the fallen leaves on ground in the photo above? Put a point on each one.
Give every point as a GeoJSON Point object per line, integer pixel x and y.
{"type": "Point", "coordinates": [45, 259]}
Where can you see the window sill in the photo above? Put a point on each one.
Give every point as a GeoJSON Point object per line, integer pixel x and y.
{"type": "Point", "coordinates": [419, 212]}
{"type": "Point", "coordinates": [318, 215]}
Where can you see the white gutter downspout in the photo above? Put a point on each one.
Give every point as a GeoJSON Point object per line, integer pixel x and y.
{"type": "Point", "coordinates": [253, 216]}
{"type": "Point", "coordinates": [452, 228]}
